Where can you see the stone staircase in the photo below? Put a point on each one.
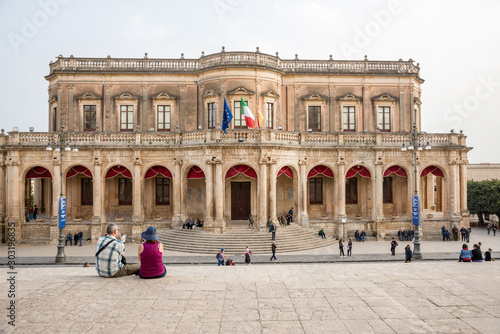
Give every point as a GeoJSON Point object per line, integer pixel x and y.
{"type": "Point", "coordinates": [289, 239]}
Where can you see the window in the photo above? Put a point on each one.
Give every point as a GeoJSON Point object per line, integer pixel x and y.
{"type": "Point", "coordinates": [87, 192]}
{"type": "Point", "coordinates": [315, 118]}
{"type": "Point", "coordinates": [126, 118]}
{"type": "Point", "coordinates": [239, 119]}
{"type": "Point", "coordinates": [162, 191]}
{"type": "Point", "coordinates": [89, 114]}
{"type": "Point", "coordinates": [384, 119]}
{"type": "Point", "coordinates": [351, 190]}
{"type": "Point", "coordinates": [124, 191]}
{"type": "Point", "coordinates": [349, 120]}
{"type": "Point", "coordinates": [315, 191]}
{"type": "Point", "coordinates": [211, 115]}
{"type": "Point", "coordinates": [387, 188]}
{"type": "Point", "coordinates": [163, 118]}
{"type": "Point", "coordinates": [269, 114]}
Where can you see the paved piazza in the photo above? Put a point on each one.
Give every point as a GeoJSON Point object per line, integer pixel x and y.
{"type": "Point", "coordinates": [385, 297]}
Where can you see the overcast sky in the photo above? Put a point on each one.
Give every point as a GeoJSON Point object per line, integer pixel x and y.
{"type": "Point", "coordinates": [457, 44]}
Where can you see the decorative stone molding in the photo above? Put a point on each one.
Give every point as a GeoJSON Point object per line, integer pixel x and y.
{"type": "Point", "coordinates": [270, 93]}
{"type": "Point", "coordinates": [163, 96]}
{"type": "Point", "coordinates": [349, 97]}
{"type": "Point", "coordinates": [314, 97]}
{"type": "Point", "coordinates": [88, 96]}
{"type": "Point", "coordinates": [210, 93]}
{"type": "Point", "coordinates": [126, 96]}
{"type": "Point", "coordinates": [240, 90]}
{"type": "Point", "coordinates": [384, 97]}
{"type": "Point", "coordinates": [177, 162]}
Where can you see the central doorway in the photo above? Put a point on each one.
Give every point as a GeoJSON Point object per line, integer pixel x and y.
{"type": "Point", "coordinates": [240, 200]}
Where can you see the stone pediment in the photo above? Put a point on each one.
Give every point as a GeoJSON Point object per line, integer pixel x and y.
{"type": "Point", "coordinates": [270, 93]}
{"type": "Point", "coordinates": [240, 90]}
{"type": "Point", "coordinates": [163, 96]}
{"type": "Point", "coordinates": [349, 97]}
{"type": "Point", "coordinates": [315, 97]}
{"type": "Point", "coordinates": [209, 93]}
{"type": "Point", "coordinates": [89, 96]}
{"type": "Point", "coordinates": [126, 96]}
{"type": "Point", "coordinates": [384, 97]}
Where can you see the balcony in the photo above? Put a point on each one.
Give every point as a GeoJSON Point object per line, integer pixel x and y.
{"type": "Point", "coordinates": [232, 138]}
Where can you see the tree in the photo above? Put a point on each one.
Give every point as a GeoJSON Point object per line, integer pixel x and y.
{"type": "Point", "coordinates": [483, 197]}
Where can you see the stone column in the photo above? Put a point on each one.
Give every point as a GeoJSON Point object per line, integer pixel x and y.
{"type": "Point", "coordinates": [219, 191]}
{"type": "Point", "coordinates": [452, 185]}
{"type": "Point", "coordinates": [463, 187]}
{"type": "Point", "coordinates": [106, 126]}
{"type": "Point", "coordinates": [401, 108]}
{"type": "Point", "coordinates": [97, 187]}
{"type": "Point", "coordinates": [332, 114]}
{"type": "Point", "coordinates": [144, 110]}
{"type": "Point", "coordinates": [340, 209]}
{"type": "Point", "coordinates": [304, 218]}
{"type": "Point", "coordinates": [263, 193]}
{"type": "Point", "coordinates": [272, 190]}
{"type": "Point", "coordinates": [2, 194]}
{"type": "Point", "coordinates": [137, 191]}
{"type": "Point", "coordinates": [71, 127]}
{"type": "Point", "coordinates": [176, 219]}
{"type": "Point", "coordinates": [209, 186]}
{"type": "Point", "coordinates": [378, 200]}
{"type": "Point", "coordinates": [56, 184]}
{"type": "Point", "coordinates": [13, 205]}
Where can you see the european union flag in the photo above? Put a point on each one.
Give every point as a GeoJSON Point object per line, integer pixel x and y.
{"type": "Point", "coordinates": [227, 116]}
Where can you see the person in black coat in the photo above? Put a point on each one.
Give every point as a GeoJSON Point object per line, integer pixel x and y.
{"type": "Point", "coordinates": [477, 256]}
{"type": "Point", "coordinates": [408, 254]}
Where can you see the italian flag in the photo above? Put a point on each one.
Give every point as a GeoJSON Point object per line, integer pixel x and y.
{"type": "Point", "coordinates": [249, 118]}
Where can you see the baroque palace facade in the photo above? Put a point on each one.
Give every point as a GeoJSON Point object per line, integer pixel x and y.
{"type": "Point", "coordinates": [151, 150]}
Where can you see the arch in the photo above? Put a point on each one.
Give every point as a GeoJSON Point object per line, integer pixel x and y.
{"type": "Point", "coordinates": [396, 169]}
{"type": "Point", "coordinates": [436, 171]}
{"type": "Point", "coordinates": [320, 170]}
{"type": "Point", "coordinates": [38, 172]}
{"type": "Point", "coordinates": [118, 170]}
{"type": "Point", "coordinates": [287, 171]}
{"type": "Point", "coordinates": [78, 169]}
{"type": "Point", "coordinates": [358, 170]}
{"type": "Point", "coordinates": [245, 169]}
{"type": "Point", "coordinates": [195, 172]}
{"type": "Point", "coordinates": [158, 170]}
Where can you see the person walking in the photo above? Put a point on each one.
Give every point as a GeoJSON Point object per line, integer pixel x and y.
{"type": "Point", "coordinates": [488, 228]}
{"type": "Point", "coordinates": [394, 244]}
{"type": "Point", "coordinates": [349, 248]}
{"type": "Point", "coordinates": [341, 248]}
{"type": "Point", "coordinates": [250, 222]}
{"type": "Point", "coordinates": [221, 257]}
{"type": "Point", "coordinates": [494, 228]}
{"type": "Point", "coordinates": [273, 249]}
{"type": "Point", "coordinates": [248, 256]}
{"type": "Point", "coordinates": [408, 254]}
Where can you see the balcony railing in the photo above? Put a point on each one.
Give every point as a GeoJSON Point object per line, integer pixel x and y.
{"type": "Point", "coordinates": [224, 59]}
{"type": "Point", "coordinates": [233, 137]}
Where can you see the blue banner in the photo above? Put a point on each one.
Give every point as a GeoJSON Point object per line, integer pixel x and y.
{"type": "Point", "coordinates": [227, 116]}
{"type": "Point", "coordinates": [415, 209]}
{"type": "Point", "coordinates": [61, 215]}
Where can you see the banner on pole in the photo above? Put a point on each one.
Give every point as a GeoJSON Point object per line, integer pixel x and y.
{"type": "Point", "coordinates": [61, 212]}
{"type": "Point", "coordinates": [415, 209]}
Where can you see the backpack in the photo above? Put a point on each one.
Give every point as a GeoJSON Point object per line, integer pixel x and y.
{"type": "Point", "coordinates": [217, 256]}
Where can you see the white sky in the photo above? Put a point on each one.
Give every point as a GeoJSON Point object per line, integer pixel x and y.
{"type": "Point", "coordinates": [457, 44]}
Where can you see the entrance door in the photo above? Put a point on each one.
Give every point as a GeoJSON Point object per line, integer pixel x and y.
{"type": "Point", "coordinates": [240, 200]}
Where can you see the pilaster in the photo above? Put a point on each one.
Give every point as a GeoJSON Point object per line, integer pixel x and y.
{"type": "Point", "coordinates": [137, 190]}
{"type": "Point", "coordinates": [71, 126]}
{"type": "Point", "coordinates": [263, 193]}
{"type": "Point", "coordinates": [176, 219]}
{"type": "Point", "coordinates": [304, 217]}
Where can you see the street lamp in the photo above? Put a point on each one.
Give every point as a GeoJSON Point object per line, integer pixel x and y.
{"type": "Point", "coordinates": [414, 139]}
{"type": "Point", "coordinates": [61, 146]}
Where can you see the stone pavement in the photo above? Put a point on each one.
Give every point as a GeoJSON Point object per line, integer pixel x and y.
{"type": "Point", "coordinates": [369, 251]}
{"type": "Point", "coordinates": [387, 297]}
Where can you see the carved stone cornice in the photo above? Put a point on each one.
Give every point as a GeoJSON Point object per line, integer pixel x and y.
{"type": "Point", "coordinates": [240, 90]}
{"type": "Point", "coordinates": [302, 162]}
{"type": "Point", "coordinates": [214, 162]}
{"type": "Point", "coordinates": [71, 86]}
{"type": "Point", "coordinates": [12, 163]}
{"type": "Point", "coordinates": [177, 162]}
{"type": "Point", "coordinates": [97, 161]}
{"type": "Point", "coordinates": [349, 97]}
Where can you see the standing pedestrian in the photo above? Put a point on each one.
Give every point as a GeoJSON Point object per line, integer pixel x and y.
{"type": "Point", "coordinates": [408, 254]}
{"type": "Point", "coordinates": [250, 222]}
{"type": "Point", "coordinates": [273, 249]}
{"type": "Point", "coordinates": [341, 248]}
{"type": "Point", "coordinates": [488, 228]}
{"type": "Point", "coordinates": [356, 235]}
{"type": "Point", "coordinates": [290, 212]}
{"type": "Point", "coordinates": [454, 230]}
{"type": "Point", "coordinates": [76, 238]}
{"type": "Point", "coordinates": [463, 231]}
{"type": "Point", "coordinates": [494, 228]}
{"type": "Point", "coordinates": [273, 231]}
{"type": "Point", "coordinates": [468, 233]}
{"type": "Point", "coordinates": [394, 243]}
{"type": "Point", "coordinates": [80, 237]}
{"type": "Point", "coordinates": [443, 232]}
{"type": "Point", "coordinates": [248, 256]}
{"type": "Point", "coordinates": [400, 235]}
{"type": "Point", "coordinates": [35, 213]}
{"type": "Point", "coordinates": [26, 214]}
{"type": "Point", "coordinates": [349, 248]}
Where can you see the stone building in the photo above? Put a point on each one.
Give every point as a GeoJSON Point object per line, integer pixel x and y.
{"type": "Point", "coordinates": [151, 149]}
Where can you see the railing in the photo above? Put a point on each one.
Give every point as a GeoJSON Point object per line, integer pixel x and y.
{"type": "Point", "coordinates": [234, 136]}
{"type": "Point", "coordinates": [232, 59]}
